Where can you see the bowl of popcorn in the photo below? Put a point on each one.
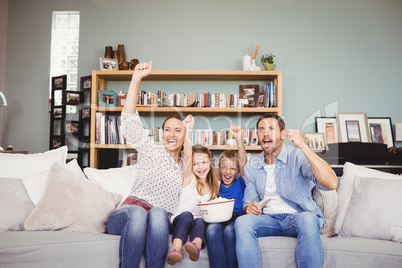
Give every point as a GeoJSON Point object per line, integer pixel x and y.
{"type": "Point", "coordinates": [216, 210]}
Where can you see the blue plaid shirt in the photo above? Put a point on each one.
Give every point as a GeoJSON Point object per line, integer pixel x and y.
{"type": "Point", "coordinates": [294, 180]}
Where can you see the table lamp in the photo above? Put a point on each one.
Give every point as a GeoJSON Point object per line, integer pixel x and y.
{"type": "Point", "coordinates": [3, 101]}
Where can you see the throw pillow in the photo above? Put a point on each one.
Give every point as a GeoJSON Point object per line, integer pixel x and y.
{"type": "Point", "coordinates": [22, 165]}
{"type": "Point", "coordinates": [118, 180]}
{"type": "Point", "coordinates": [346, 186]}
{"type": "Point", "coordinates": [15, 205]}
{"type": "Point", "coordinates": [327, 201]}
{"type": "Point", "coordinates": [36, 184]}
{"type": "Point", "coordinates": [71, 203]}
{"type": "Point", "coordinates": [375, 210]}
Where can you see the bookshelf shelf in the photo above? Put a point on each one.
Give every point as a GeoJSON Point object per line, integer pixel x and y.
{"type": "Point", "coordinates": [100, 78]}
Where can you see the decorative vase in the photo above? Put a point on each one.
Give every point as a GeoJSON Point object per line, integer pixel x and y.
{"type": "Point", "coordinates": [115, 55]}
{"type": "Point", "coordinates": [133, 63]}
{"type": "Point", "coordinates": [122, 54]}
{"type": "Point", "coordinates": [108, 52]}
{"type": "Point", "coordinates": [253, 67]}
{"type": "Point", "coordinates": [268, 66]}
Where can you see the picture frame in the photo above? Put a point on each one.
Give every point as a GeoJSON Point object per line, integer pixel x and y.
{"type": "Point", "coordinates": [353, 127]}
{"type": "Point", "coordinates": [86, 83]}
{"type": "Point", "coordinates": [328, 126]}
{"type": "Point", "coordinates": [129, 157]}
{"type": "Point", "coordinates": [58, 112]}
{"type": "Point", "coordinates": [73, 97]}
{"type": "Point", "coordinates": [85, 113]}
{"type": "Point", "coordinates": [56, 142]}
{"type": "Point", "coordinates": [249, 92]}
{"type": "Point", "coordinates": [253, 141]}
{"type": "Point", "coordinates": [316, 141]}
{"type": "Point", "coordinates": [107, 98]}
{"type": "Point", "coordinates": [73, 127]}
{"type": "Point", "coordinates": [59, 82]}
{"type": "Point", "coordinates": [381, 130]}
{"type": "Point", "coordinates": [108, 64]}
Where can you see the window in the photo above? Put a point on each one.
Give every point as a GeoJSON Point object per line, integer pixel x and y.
{"type": "Point", "coordinates": [64, 48]}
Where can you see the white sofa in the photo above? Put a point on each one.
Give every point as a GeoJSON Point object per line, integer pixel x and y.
{"type": "Point", "coordinates": [364, 227]}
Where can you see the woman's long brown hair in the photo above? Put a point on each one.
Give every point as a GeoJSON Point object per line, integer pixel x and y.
{"type": "Point", "coordinates": [212, 178]}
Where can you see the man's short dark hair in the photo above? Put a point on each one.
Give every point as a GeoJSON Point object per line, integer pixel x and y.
{"type": "Point", "coordinates": [281, 123]}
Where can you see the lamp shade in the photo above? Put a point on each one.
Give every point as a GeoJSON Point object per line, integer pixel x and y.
{"type": "Point", "coordinates": [398, 132]}
{"type": "Point", "coordinates": [3, 101]}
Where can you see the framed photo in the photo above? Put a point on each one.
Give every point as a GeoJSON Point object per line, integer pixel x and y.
{"type": "Point", "coordinates": [85, 113]}
{"type": "Point", "coordinates": [253, 141]}
{"type": "Point", "coordinates": [72, 127]}
{"type": "Point", "coordinates": [381, 130]}
{"type": "Point", "coordinates": [86, 83]}
{"type": "Point", "coordinates": [58, 112]}
{"type": "Point", "coordinates": [59, 82]}
{"type": "Point", "coordinates": [353, 127]}
{"type": "Point", "coordinates": [107, 98]}
{"type": "Point", "coordinates": [249, 92]}
{"type": "Point", "coordinates": [73, 97]}
{"type": "Point", "coordinates": [129, 157]}
{"type": "Point", "coordinates": [108, 64]}
{"type": "Point", "coordinates": [56, 142]}
{"type": "Point", "coordinates": [316, 141]}
{"type": "Point", "coordinates": [328, 126]}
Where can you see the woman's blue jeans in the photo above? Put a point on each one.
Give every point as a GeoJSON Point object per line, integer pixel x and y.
{"type": "Point", "coordinates": [185, 225]}
{"type": "Point", "coordinates": [221, 244]}
{"type": "Point", "coordinates": [305, 226]}
{"type": "Point", "coordinates": [141, 233]}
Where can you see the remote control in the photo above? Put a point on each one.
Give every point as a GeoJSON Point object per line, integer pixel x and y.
{"type": "Point", "coordinates": [262, 203]}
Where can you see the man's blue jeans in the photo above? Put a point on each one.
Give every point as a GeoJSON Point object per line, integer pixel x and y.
{"type": "Point", "coordinates": [221, 244]}
{"type": "Point", "coordinates": [141, 232]}
{"type": "Point", "coordinates": [305, 226]}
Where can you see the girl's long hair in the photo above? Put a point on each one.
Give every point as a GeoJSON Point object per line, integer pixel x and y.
{"type": "Point", "coordinates": [212, 178]}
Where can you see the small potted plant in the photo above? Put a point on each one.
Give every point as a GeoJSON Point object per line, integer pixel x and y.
{"type": "Point", "coordinates": [268, 62]}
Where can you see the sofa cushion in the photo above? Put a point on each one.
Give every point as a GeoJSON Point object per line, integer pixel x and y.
{"type": "Point", "coordinates": [22, 165]}
{"type": "Point", "coordinates": [71, 203]}
{"type": "Point", "coordinates": [374, 210]}
{"type": "Point", "coordinates": [118, 180]}
{"type": "Point", "coordinates": [36, 184]}
{"type": "Point", "coordinates": [328, 203]}
{"type": "Point", "coordinates": [346, 187]}
{"type": "Point", "coordinates": [15, 204]}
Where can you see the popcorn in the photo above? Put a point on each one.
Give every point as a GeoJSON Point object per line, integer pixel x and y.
{"type": "Point", "coordinates": [216, 200]}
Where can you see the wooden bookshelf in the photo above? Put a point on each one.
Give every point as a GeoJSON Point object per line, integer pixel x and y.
{"type": "Point", "coordinates": [99, 79]}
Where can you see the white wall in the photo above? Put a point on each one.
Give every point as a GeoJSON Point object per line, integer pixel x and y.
{"type": "Point", "coordinates": [341, 55]}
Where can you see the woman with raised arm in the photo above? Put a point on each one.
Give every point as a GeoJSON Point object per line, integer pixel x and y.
{"type": "Point", "coordinates": [142, 220]}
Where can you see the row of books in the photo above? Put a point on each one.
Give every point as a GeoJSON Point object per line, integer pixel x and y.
{"type": "Point", "coordinates": [108, 131]}
{"type": "Point", "coordinates": [265, 98]}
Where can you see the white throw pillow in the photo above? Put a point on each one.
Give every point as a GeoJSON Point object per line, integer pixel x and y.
{"type": "Point", "coordinates": [118, 180]}
{"type": "Point", "coordinates": [22, 165]}
{"type": "Point", "coordinates": [346, 187]}
{"type": "Point", "coordinates": [71, 203]}
{"type": "Point", "coordinates": [375, 210]}
{"type": "Point", "coordinates": [327, 201]}
{"type": "Point", "coordinates": [15, 205]}
{"type": "Point", "coordinates": [36, 184]}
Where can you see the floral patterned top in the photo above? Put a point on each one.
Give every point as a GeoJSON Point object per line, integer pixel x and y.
{"type": "Point", "coordinates": [159, 177]}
